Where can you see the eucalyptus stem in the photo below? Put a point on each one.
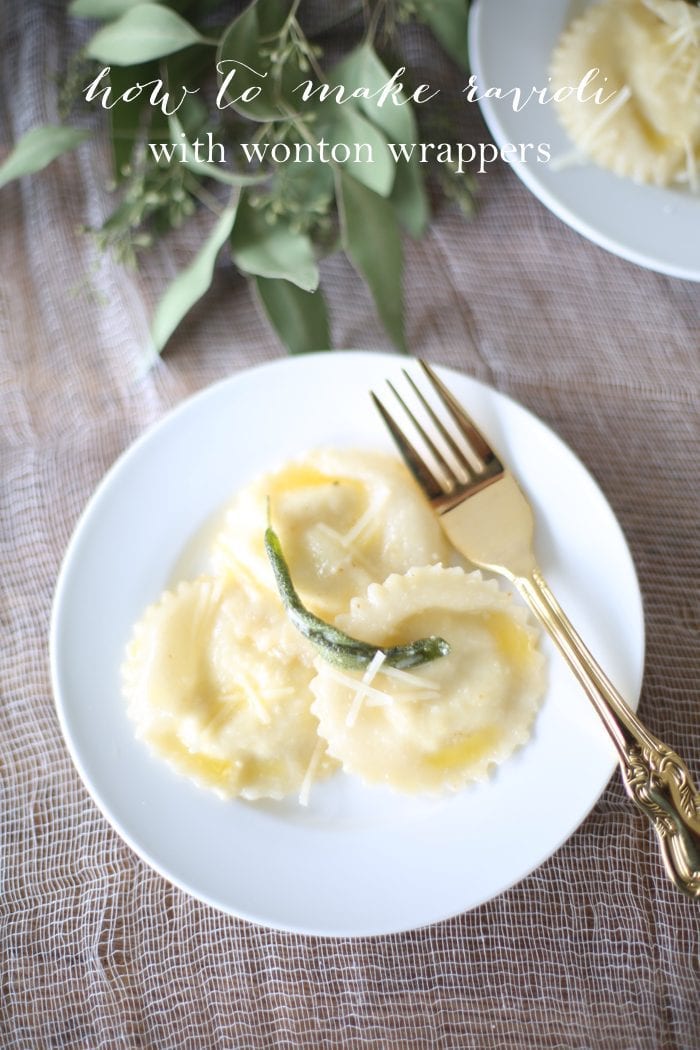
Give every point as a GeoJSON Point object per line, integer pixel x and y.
{"type": "Point", "coordinates": [273, 51]}
{"type": "Point", "coordinates": [204, 197]}
{"type": "Point", "coordinates": [373, 24]}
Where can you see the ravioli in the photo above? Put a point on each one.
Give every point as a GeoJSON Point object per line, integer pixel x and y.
{"type": "Point", "coordinates": [345, 519]}
{"type": "Point", "coordinates": [649, 51]}
{"type": "Point", "coordinates": [447, 722]}
{"type": "Point", "coordinates": [217, 684]}
{"type": "Point", "coordinates": [220, 684]}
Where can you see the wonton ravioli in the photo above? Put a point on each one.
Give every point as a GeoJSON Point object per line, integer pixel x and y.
{"type": "Point", "coordinates": [222, 686]}
{"type": "Point", "coordinates": [217, 682]}
{"type": "Point", "coordinates": [648, 51]}
{"type": "Point", "coordinates": [345, 519]}
{"type": "Point", "coordinates": [446, 722]}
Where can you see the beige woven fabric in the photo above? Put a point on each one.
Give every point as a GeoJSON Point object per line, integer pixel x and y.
{"type": "Point", "coordinates": [595, 950]}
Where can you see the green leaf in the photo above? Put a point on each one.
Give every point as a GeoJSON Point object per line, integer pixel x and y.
{"type": "Point", "coordinates": [105, 10]}
{"type": "Point", "coordinates": [362, 68]}
{"type": "Point", "coordinates": [243, 59]}
{"type": "Point", "coordinates": [306, 187]}
{"type": "Point", "coordinates": [409, 196]}
{"type": "Point", "coordinates": [372, 242]}
{"type": "Point", "coordinates": [126, 118]}
{"type": "Point", "coordinates": [271, 249]}
{"type": "Point", "coordinates": [219, 172]}
{"type": "Point", "coordinates": [344, 126]}
{"type": "Point", "coordinates": [143, 32]}
{"type": "Point", "coordinates": [448, 20]}
{"type": "Point", "coordinates": [37, 148]}
{"type": "Point", "coordinates": [193, 115]}
{"type": "Point", "coordinates": [190, 285]}
{"type": "Point", "coordinates": [299, 318]}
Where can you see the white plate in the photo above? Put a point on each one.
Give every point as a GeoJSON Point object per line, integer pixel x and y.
{"type": "Point", "coordinates": [358, 860]}
{"type": "Point", "coordinates": [511, 43]}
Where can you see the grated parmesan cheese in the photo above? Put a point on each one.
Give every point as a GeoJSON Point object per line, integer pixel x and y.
{"type": "Point", "coordinates": [360, 693]}
{"type": "Point", "coordinates": [368, 518]}
{"type": "Point", "coordinates": [309, 775]}
{"type": "Point", "coordinates": [351, 683]}
{"type": "Point", "coordinates": [253, 697]}
{"type": "Point", "coordinates": [425, 684]}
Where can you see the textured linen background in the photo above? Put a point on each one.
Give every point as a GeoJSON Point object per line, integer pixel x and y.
{"type": "Point", "coordinates": [594, 950]}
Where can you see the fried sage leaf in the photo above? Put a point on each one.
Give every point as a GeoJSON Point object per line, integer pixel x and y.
{"type": "Point", "coordinates": [334, 645]}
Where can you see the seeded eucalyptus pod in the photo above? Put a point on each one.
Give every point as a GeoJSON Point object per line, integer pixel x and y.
{"type": "Point", "coordinates": [184, 85]}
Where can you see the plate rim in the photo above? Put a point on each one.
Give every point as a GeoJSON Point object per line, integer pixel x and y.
{"type": "Point", "coordinates": [543, 193]}
{"type": "Point", "coordinates": [63, 581]}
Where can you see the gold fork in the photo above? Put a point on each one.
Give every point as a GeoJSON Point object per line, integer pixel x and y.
{"type": "Point", "coordinates": [488, 519]}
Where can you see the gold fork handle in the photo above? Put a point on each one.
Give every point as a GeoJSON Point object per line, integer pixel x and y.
{"type": "Point", "coordinates": [655, 777]}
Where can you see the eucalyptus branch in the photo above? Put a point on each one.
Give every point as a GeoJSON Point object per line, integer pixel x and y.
{"type": "Point", "coordinates": [275, 231]}
{"type": "Point", "coordinates": [373, 24]}
{"type": "Point", "coordinates": [204, 197]}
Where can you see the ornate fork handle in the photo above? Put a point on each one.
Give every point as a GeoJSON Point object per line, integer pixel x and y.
{"type": "Point", "coordinates": [655, 778]}
{"type": "Point", "coordinates": [660, 784]}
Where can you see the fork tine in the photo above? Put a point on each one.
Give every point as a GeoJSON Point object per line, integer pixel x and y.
{"type": "Point", "coordinates": [457, 452]}
{"type": "Point", "coordinates": [464, 424]}
{"type": "Point", "coordinates": [415, 463]}
{"type": "Point", "coordinates": [448, 475]}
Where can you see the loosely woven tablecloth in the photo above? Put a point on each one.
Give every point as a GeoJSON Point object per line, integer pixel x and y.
{"type": "Point", "coordinates": [594, 950]}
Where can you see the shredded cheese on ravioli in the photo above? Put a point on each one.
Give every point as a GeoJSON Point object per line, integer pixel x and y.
{"type": "Point", "coordinates": [648, 52]}
{"type": "Point", "coordinates": [434, 731]}
{"type": "Point", "coordinates": [220, 684]}
{"type": "Point", "coordinates": [366, 680]}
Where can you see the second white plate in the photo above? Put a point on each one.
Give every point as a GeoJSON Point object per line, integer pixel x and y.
{"type": "Point", "coordinates": [511, 44]}
{"type": "Point", "coordinates": [358, 860]}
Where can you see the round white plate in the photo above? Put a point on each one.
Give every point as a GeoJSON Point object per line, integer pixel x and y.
{"type": "Point", "coordinates": [511, 43]}
{"type": "Point", "coordinates": [357, 860]}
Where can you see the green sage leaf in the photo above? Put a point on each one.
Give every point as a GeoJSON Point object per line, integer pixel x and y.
{"type": "Point", "coordinates": [449, 21]}
{"type": "Point", "coordinates": [37, 148]}
{"type": "Point", "coordinates": [333, 644]}
{"type": "Point", "coordinates": [190, 285]}
{"type": "Point", "coordinates": [264, 246]}
{"type": "Point", "coordinates": [299, 318]}
{"type": "Point", "coordinates": [372, 242]}
{"type": "Point", "coordinates": [143, 32]}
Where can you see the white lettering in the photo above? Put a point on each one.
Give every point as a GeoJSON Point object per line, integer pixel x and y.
{"type": "Point", "coordinates": [392, 89]}
{"type": "Point", "coordinates": [401, 150]}
{"type": "Point", "coordinates": [158, 99]}
{"type": "Point", "coordinates": [518, 99]}
{"type": "Point", "coordinates": [166, 151]}
{"type": "Point", "coordinates": [597, 96]}
{"type": "Point", "coordinates": [249, 94]}
{"type": "Point", "coordinates": [255, 151]}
